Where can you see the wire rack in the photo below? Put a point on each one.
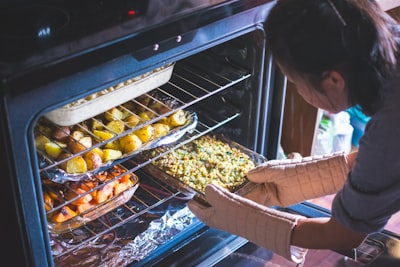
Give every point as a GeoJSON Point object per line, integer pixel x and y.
{"type": "Point", "coordinates": [191, 82]}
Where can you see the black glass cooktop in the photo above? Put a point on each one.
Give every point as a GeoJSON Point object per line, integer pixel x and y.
{"type": "Point", "coordinates": [38, 32]}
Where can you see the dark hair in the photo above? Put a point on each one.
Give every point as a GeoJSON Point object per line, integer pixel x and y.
{"type": "Point", "coordinates": [355, 37]}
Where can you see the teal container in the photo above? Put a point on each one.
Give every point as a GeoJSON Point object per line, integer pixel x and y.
{"type": "Point", "coordinates": [358, 120]}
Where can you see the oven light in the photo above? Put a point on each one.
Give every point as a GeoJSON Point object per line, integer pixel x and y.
{"type": "Point", "coordinates": [44, 32]}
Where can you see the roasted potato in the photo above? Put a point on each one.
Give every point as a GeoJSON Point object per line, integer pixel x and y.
{"type": "Point", "coordinates": [177, 119]}
{"type": "Point", "coordinates": [111, 154]}
{"type": "Point", "coordinates": [80, 145]}
{"type": "Point", "coordinates": [62, 156]}
{"type": "Point", "coordinates": [160, 129]}
{"type": "Point", "coordinates": [146, 133]}
{"type": "Point", "coordinates": [132, 120]}
{"type": "Point", "coordinates": [40, 141]}
{"type": "Point", "coordinates": [116, 126]}
{"type": "Point", "coordinates": [146, 115]}
{"type": "Point", "coordinates": [93, 160]}
{"type": "Point", "coordinates": [54, 149]}
{"type": "Point", "coordinates": [77, 135]}
{"type": "Point", "coordinates": [76, 165]}
{"type": "Point", "coordinates": [61, 134]}
{"type": "Point", "coordinates": [97, 125]}
{"type": "Point", "coordinates": [103, 134]}
{"type": "Point", "coordinates": [130, 143]}
{"type": "Point", "coordinates": [114, 114]}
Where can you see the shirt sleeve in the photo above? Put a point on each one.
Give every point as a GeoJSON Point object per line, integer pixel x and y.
{"type": "Point", "coordinates": [371, 194]}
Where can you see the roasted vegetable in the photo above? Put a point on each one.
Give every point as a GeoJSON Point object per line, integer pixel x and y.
{"type": "Point", "coordinates": [130, 143]}
{"type": "Point", "coordinates": [66, 213]}
{"type": "Point", "coordinates": [132, 120]}
{"type": "Point", "coordinates": [54, 149]}
{"type": "Point", "coordinates": [93, 160]}
{"type": "Point", "coordinates": [40, 141]}
{"type": "Point", "coordinates": [80, 145]}
{"type": "Point", "coordinates": [111, 154]}
{"type": "Point", "coordinates": [160, 129]}
{"type": "Point", "coordinates": [116, 126]}
{"type": "Point", "coordinates": [146, 133]}
{"type": "Point", "coordinates": [177, 119]}
{"type": "Point", "coordinates": [76, 165]}
{"type": "Point", "coordinates": [113, 114]}
{"type": "Point", "coordinates": [103, 134]}
{"type": "Point", "coordinates": [61, 134]}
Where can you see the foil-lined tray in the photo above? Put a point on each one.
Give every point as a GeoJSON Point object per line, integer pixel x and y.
{"type": "Point", "coordinates": [237, 168]}
{"type": "Point", "coordinates": [93, 105]}
{"type": "Point", "coordinates": [73, 193]}
{"type": "Point", "coordinates": [59, 175]}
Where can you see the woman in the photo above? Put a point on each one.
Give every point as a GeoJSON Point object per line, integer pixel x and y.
{"type": "Point", "coordinates": [339, 53]}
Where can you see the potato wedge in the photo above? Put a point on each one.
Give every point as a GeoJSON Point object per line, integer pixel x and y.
{"type": "Point", "coordinates": [146, 133]}
{"type": "Point", "coordinates": [146, 115]}
{"type": "Point", "coordinates": [40, 141]}
{"type": "Point", "coordinates": [177, 119]}
{"type": "Point", "coordinates": [54, 149]}
{"type": "Point", "coordinates": [116, 126]}
{"type": "Point", "coordinates": [76, 165]}
{"type": "Point", "coordinates": [160, 129]}
{"type": "Point", "coordinates": [113, 145]}
{"type": "Point", "coordinates": [111, 154]}
{"type": "Point", "coordinates": [80, 145]}
{"type": "Point", "coordinates": [61, 134]}
{"type": "Point", "coordinates": [114, 114]}
{"type": "Point", "coordinates": [97, 125]}
{"type": "Point", "coordinates": [132, 120]}
{"type": "Point", "coordinates": [93, 160]}
{"type": "Point", "coordinates": [130, 143]}
{"type": "Point", "coordinates": [77, 135]}
{"type": "Point", "coordinates": [103, 134]}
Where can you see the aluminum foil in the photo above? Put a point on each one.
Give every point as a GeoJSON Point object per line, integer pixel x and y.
{"type": "Point", "coordinates": [111, 250]}
{"type": "Point", "coordinates": [158, 232]}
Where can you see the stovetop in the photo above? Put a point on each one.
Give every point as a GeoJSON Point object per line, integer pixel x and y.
{"type": "Point", "coordinates": [38, 32]}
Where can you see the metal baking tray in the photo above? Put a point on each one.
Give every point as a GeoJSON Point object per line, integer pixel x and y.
{"type": "Point", "coordinates": [60, 192]}
{"type": "Point", "coordinates": [57, 174]}
{"type": "Point", "coordinates": [196, 193]}
{"type": "Point", "coordinates": [86, 108]}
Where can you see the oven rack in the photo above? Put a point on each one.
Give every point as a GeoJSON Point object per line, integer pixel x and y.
{"type": "Point", "coordinates": [142, 202]}
{"type": "Point", "coordinates": [150, 195]}
{"type": "Point", "coordinates": [190, 83]}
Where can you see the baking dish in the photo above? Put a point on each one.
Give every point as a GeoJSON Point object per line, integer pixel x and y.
{"type": "Point", "coordinates": [55, 170]}
{"type": "Point", "coordinates": [235, 163]}
{"type": "Point", "coordinates": [67, 198]}
{"type": "Point", "coordinates": [93, 105]}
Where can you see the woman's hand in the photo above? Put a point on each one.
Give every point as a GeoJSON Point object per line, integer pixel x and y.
{"type": "Point", "coordinates": [290, 181]}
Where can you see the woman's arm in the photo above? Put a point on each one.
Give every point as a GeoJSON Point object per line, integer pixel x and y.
{"type": "Point", "coordinates": [351, 159]}
{"type": "Point", "coordinates": [327, 233]}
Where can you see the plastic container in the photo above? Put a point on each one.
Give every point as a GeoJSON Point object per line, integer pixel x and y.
{"type": "Point", "coordinates": [342, 132]}
{"type": "Point", "coordinates": [358, 120]}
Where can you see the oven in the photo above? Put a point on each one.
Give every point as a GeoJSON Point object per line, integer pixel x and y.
{"type": "Point", "coordinates": [206, 58]}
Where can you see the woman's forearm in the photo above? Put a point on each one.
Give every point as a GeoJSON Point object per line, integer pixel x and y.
{"type": "Point", "coordinates": [325, 233]}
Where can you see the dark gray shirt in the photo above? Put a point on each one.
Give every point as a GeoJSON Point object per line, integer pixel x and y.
{"type": "Point", "coordinates": [371, 193]}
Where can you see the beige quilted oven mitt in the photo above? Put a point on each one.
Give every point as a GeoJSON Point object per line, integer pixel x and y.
{"type": "Point", "coordinates": [290, 181]}
{"type": "Point", "coordinates": [261, 225]}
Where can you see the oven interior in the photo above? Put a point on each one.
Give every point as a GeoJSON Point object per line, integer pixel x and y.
{"type": "Point", "coordinates": [223, 86]}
